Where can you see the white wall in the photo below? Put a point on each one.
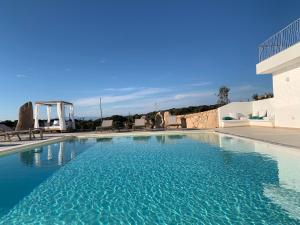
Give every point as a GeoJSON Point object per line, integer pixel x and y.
{"type": "Point", "coordinates": [285, 70]}
{"type": "Point", "coordinates": [286, 88]}
{"type": "Point", "coordinates": [244, 108]}
{"type": "Point", "coordinates": [264, 105]}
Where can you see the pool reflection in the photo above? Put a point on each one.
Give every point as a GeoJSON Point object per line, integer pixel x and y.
{"type": "Point", "coordinates": [28, 169]}
{"type": "Point", "coordinates": [169, 139]}
{"type": "Point", "coordinates": [56, 154]}
{"type": "Point", "coordinates": [285, 193]}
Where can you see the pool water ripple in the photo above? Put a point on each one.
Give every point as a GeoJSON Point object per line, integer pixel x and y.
{"type": "Point", "coordinates": [147, 181]}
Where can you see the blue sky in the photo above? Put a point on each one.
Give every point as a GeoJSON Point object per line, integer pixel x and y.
{"type": "Point", "coordinates": [137, 55]}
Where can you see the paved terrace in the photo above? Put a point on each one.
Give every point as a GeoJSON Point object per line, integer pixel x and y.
{"type": "Point", "coordinates": [280, 136]}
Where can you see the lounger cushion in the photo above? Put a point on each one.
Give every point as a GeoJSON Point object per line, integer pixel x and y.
{"type": "Point", "coordinates": [227, 118]}
{"type": "Point", "coordinates": [256, 118]}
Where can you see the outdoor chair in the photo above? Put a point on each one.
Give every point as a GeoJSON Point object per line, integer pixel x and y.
{"type": "Point", "coordinates": [106, 125]}
{"type": "Point", "coordinates": [8, 133]}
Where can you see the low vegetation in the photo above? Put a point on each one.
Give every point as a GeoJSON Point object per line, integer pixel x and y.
{"type": "Point", "coordinates": [257, 97]}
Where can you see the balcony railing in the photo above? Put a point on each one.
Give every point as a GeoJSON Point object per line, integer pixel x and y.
{"type": "Point", "coordinates": [280, 41]}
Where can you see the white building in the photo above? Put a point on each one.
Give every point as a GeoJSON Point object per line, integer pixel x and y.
{"type": "Point", "coordinates": [279, 56]}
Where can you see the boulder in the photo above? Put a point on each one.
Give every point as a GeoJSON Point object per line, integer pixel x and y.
{"type": "Point", "coordinates": [159, 120]}
{"type": "Point", "coordinates": [166, 118]}
{"type": "Point", "coordinates": [25, 121]}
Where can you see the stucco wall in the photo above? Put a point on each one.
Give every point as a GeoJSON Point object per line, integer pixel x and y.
{"type": "Point", "coordinates": [264, 105]}
{"type": "Point", "coordinates": [237, 109]}
{"type": "Point", "coordinates": [207, 119]}
{"type": "Point", "coordinates": [285, 70]}
{"type": "Point", "coordinates": [244, 108]}
{"type": "Point", "coordinates": [286, 88]}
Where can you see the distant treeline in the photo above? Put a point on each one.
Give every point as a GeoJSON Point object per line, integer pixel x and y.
{"type": "Point", "coordinates": [119, 121]}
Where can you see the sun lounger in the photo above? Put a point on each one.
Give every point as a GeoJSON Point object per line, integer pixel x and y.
{"type": "Point", "coordinates": [139, 123]}
{"type": "Point", "coordinates": [8, 133]}
{"type": "Point", "coordinates": [172, 122]}
{"type": "Point", "coordinates": [106, 125]}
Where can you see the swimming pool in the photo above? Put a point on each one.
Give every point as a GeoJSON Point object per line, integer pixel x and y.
{"type": "Point", "coordinates": [203, 178]}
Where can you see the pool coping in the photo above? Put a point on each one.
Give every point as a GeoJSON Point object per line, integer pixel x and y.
{"type": "Point", "coordinates": [26, 146]}
{"type": "Point", "coordinates": [67, 136]}
{"type": "Point", "coordinates": [141, 133]}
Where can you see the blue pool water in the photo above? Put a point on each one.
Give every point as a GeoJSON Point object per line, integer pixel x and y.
{"type": "Point", "coordinates": [175, 179]}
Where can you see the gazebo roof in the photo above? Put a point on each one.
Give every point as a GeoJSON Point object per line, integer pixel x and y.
{"type": "Point", "coordinates": [52, 102]}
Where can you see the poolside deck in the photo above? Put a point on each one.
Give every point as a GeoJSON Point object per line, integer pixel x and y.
{"type": "Point", "coordinates": [7, 146]}
{"type": "Point", "coordinates": [280, 136]}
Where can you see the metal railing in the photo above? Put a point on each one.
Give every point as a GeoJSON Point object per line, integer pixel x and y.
{"type": "Point", "coordinates": [280, 41]}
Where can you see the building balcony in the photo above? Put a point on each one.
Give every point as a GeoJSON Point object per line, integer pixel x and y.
{"type": "Point", "coordinates": [280, 51]}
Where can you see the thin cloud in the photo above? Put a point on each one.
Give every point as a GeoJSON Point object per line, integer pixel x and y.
{"type": "Point", "coordinates": [200, 84]}
{"type": "Point", "coordinates": [150, 103]}
{"type": "Point", "coordinates": [122, 89]}
{"type": "Point", "coordinates": [22, 76]}
{"type": "Point", "coordinates": [242, 88]}
{"type": "Point", "coordinates": [194, 95]}
{"type": "Point", "coordinates": [92, 101]}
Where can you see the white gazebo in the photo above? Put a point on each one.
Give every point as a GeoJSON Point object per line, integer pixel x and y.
{"type": "Point", "coordinates": [60, 124]}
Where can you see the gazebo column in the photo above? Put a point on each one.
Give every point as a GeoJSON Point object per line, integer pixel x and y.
{"type": "Point", "coordinates": [61, 116]}
{"type": "Point", "coordinates": [36, 116]}
{"type": "Point", "coordinates": [48, 114]}
{"type": "Point", "coordinates": [72, 116]}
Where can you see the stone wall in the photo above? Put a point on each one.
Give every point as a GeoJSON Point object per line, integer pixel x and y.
{"type": "Point", "coordinates": [207, 119]}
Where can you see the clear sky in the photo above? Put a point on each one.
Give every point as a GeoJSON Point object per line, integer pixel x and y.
{"type": "Point", "coordinates": [134, 54]}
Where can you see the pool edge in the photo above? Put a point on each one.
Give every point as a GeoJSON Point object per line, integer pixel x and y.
{"type": "Point", "coordinates": [258, 140]}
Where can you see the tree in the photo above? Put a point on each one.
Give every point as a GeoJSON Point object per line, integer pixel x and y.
{"type": "Point", "coordinates": [255, 97]}
{"type": "Point", "coordinates": [223, 95]}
